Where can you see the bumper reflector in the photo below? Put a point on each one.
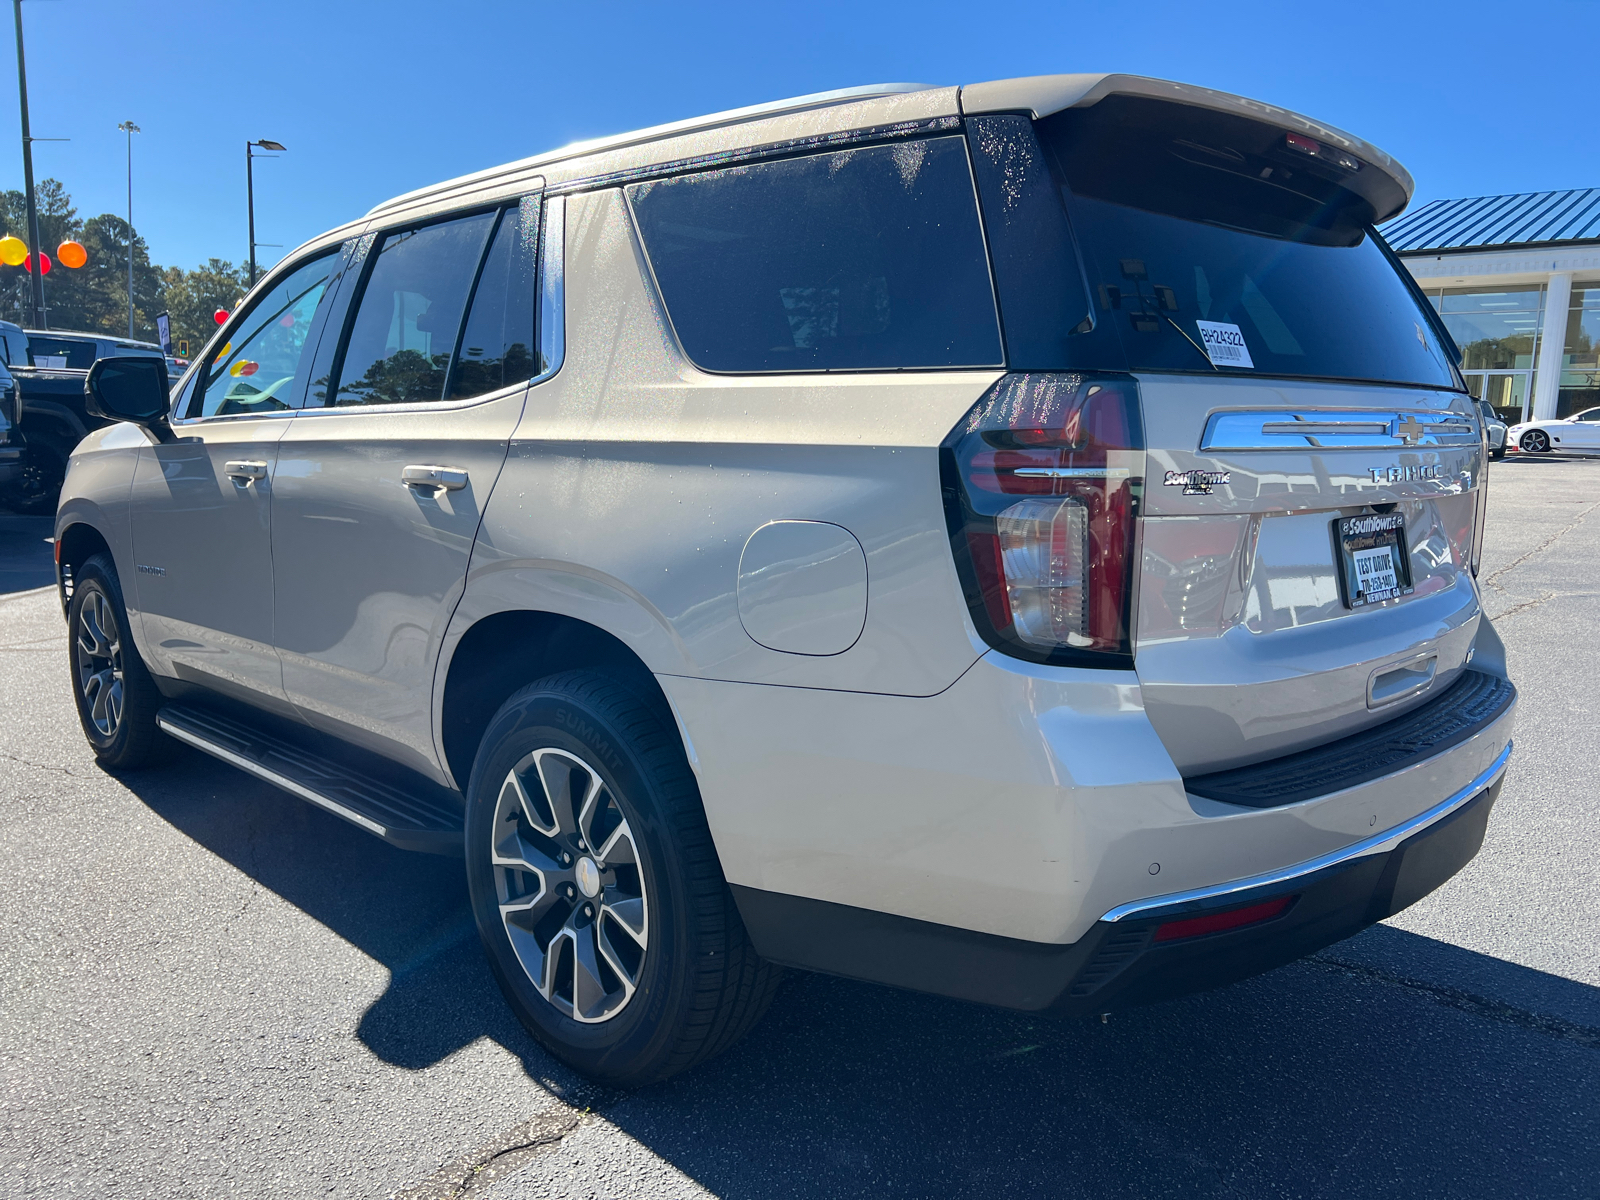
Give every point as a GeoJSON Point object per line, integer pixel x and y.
{"type": "Point", "coordinates": [1234, 918]}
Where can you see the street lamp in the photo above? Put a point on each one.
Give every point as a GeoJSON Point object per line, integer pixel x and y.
{"type": "Point", "coordinates": [250, 192]}
{"type": "Point", "coordinates": [129, 128]}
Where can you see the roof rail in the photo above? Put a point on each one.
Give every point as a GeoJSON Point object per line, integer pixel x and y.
{"type": "Point", "coordinates": [733, 116]}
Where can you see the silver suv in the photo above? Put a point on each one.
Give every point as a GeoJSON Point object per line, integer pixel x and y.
{"type": "Point", "coordinates": [1014, 541]}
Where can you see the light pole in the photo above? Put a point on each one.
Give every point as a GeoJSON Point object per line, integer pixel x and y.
{"type": "Point", "coordinates": [37, 274]}
{"type": "Point", "coordinates": [250, 189]}
{"type": "Point", "coordinates": [129, 128]}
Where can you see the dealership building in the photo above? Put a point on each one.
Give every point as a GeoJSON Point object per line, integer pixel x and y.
{"type": "Point", "coordinates": [1517, 281]}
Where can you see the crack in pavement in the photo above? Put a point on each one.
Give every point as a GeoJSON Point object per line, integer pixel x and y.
{"type": "Point", "coordinates": [1535, 603]}
{"type": "Point", "coordinates": [1489, 581]}
{"type": "Point", "coordinates": [472, 1173]}
{"type": "Point", "coordinates": [1469, 1002]}
{"type": "Point", "coordinates": [41, 766]}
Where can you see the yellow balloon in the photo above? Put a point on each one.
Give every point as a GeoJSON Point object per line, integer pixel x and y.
{"type": "Point", "coordinates": [237, 369]}
{"type": "Point", "coordinates": [12, 251]}
{"type": "Point", "coordinates": [223, 353]}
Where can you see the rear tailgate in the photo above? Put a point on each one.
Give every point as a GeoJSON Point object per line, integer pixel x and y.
{"type": "Point", "coordinates": [1249, 643]}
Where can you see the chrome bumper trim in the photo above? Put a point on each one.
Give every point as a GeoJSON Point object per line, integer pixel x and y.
{"type": "Point", "coordinates": [1377, 844]}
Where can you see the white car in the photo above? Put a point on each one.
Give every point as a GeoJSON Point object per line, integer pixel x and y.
{"type": "Point", "coordinates": [950, 537]}
{"type": "Point", "coordinates": [1579, 432]}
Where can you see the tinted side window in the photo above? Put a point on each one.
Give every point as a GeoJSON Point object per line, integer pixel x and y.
{"type": "Point", "coordinates": [498, 344]}
{"type": "Point", "coordinates": [263, 365]}
{"type": "Point", "coordinates": [862, 259]}
{"type": "Point", "coordinates": [47, 351]}
{"type": "Point", "coordinates": [409, 317]}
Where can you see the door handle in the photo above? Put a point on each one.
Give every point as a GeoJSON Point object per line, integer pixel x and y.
{"type": "Point", "coordinates": [248, 472]}
{"type": "Point", "coordinates": [448, 479]}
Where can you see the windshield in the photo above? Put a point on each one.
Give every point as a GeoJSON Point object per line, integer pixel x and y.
{"type": "Point", "coordinates": [1212, 244]}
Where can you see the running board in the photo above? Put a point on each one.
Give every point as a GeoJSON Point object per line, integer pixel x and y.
{"type": "Point", "coordinates": [407, 819]}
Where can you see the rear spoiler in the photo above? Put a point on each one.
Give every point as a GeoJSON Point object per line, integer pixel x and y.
{"type": "Point", "coordinates": [1388, 186]}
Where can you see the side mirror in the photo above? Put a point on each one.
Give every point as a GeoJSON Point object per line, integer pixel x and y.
{"type": "Point", "coordinates": [130, 389]}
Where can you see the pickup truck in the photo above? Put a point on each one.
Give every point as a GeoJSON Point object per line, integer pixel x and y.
{"type": "Point", "coordinates": [49, 369]}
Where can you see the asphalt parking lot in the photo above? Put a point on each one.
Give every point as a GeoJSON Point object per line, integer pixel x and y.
{"type": "Point", "coordinates": [208, 988]}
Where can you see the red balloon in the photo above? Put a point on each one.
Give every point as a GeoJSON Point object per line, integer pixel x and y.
{"type": "Point", "coordinates": [220, 315]}
{"type": "Point", "coordinates": [44, 264]}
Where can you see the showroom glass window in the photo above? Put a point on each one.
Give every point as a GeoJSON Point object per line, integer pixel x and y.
{"type": "Point", "coordinates": [1580, 371]}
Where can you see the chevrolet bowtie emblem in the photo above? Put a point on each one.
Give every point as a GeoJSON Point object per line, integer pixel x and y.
{"type": "Point", "coordinates": [1408, 430]}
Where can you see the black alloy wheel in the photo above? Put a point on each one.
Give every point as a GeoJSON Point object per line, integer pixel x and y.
{"type": "Point", "coordinates": [116, 698]}
{"type": "Point", "coordinates": [1535, 441]}
{"type": "Point", "coordinates": [596, 887]}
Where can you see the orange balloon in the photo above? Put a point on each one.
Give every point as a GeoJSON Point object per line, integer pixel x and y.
{"type": "Point", "coordinates": [12, 250]}
{"type": "Point", "coordinates": [71, 254]}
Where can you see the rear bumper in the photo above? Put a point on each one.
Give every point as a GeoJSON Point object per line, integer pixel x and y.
{"type": "Point", "coordinates": [1129, 957]}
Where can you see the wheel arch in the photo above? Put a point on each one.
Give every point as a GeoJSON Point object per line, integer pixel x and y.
{"type": "Point", "coordinates": [506, 650]}
{"type": "Point", "coordinates": [76, 543]}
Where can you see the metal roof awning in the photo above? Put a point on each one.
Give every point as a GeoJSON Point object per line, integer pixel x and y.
{"type": "Point", "coordinates": [1485, 222]}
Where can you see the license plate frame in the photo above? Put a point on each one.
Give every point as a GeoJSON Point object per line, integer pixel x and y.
{"type": "Point", "coordinates": [1355, 543]}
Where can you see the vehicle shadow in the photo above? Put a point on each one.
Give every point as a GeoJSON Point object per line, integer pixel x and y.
{"type": "Point", "coordinates": [27, 555]}
{"type": "Point", "coordinates": [1343, 1075]}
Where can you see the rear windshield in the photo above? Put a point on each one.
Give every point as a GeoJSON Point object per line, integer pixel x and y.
{"type": "Point", "coordinates": [1212, 243]}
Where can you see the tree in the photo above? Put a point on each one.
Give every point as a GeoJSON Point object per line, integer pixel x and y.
{"type": "Point", "coordinates": [94, 298]}
{"type": "Point", "coordinates": [58, 222]}
{"type": "Point", "coordinates": [193, 297]}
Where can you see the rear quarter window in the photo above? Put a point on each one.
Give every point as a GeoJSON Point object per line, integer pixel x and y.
{"type": "Point", "coordinates": [76, 353]}
{"type": "Point", "coordinates": [857, 260]}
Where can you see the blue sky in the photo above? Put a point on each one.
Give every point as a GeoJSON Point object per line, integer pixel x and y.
{"type": "Point", "coordinates": [372, 100]}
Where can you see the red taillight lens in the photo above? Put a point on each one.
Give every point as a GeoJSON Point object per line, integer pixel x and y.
{"type": "Point", "coordinates": [1234, 918]}
{"type": "Point", "coordinates": [1042, 482]}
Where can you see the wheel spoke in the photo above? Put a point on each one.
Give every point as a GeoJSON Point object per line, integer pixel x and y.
{"type": "Point", "coordinates": [514, 797]}
{"type": "Point", "coordinates": [523, 913]}
{"type": "Point", "coordinates": [588, 992]}
{"type": "Point", "coordinates": [98, 693]}
{"type": "Point", "coordinates": [619, 847]}
{"type": "Point", "coordinates": [630, 916]}
{"type": "Point", "coordinates": [567, 784]}
{"type": "Point", "coordinates": [538, 961]}
{"type": "Point", "coordinates": [91, 640]}
{"type": "Point", "coordinates": [629, 982]}
{"type": "Point", "coordinates": [594, 798]}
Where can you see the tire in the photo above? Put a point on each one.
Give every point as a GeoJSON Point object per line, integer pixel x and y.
{"type": "Point", "coordinates": [116, 698]}
{"type": "Point", "coordinates": [635, 966]}
{"type": "Point", "coordinates": [1535, 441]}
{"type": "Point", "coordinates": [1497, 455]}
{"type": "Point", "coordinates": [37, 489]}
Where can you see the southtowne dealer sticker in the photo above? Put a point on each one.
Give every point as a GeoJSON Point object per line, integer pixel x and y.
{"type": "Point", "coordinates": [1224, 344]}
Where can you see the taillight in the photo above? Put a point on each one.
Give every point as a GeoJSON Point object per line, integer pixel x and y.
{"type": "Point", "coordinates": [1042, 480]}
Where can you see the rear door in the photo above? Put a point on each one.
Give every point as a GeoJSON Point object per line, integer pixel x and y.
{"type": "Point", "coordinates": [379, 491]}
